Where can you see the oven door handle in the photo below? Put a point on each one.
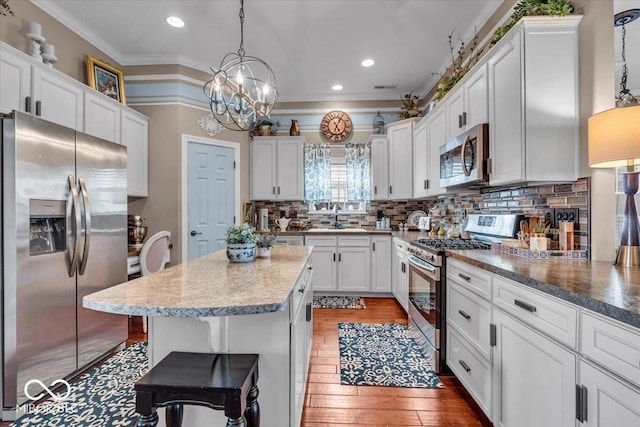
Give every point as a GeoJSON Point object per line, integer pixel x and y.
{"type": "Point", "coordinates": [414, 260]}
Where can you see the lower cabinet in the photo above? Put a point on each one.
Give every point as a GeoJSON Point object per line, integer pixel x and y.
{"type": "Point", "coordinates": [400, 281]}
{"type": "Point", "coordinates": [341, 263]}
{"type": "Point", "coordinates": [534, 378]}
{"type": "Point", "coordinates": [381, 251]}
{"type": "Point", "coordinates": [609, 402]}
{"type": "Point", "coordinates": [324, 263]}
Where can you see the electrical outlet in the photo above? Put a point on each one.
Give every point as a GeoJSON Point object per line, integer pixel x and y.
{"type": "Point", "coordinates": [550, 217]}
{"type": "Point", "coordinates": [567, 214]}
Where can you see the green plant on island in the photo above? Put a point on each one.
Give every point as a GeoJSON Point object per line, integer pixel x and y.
{"type": "Point", "coordinates": [267, 238]}
{"type": "Point", "coordinates": [533, 8]}
{"type": "Point", "coordinates": [241, 234]}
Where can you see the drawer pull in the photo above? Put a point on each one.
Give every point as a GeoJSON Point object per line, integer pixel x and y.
{"type": "Point", "coordinates": [301, 290]}
{"type": "Point", "coordinates": [465, 277]}
{"type": "Point", "coordinates": [464, 314]}
{"type": "Point", "coordinates": [522, 304]}
{"type": "Point", "coordinates": [464, 366]}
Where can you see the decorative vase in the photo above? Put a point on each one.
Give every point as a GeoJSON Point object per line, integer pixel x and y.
{"type": "Point", "coordinates": [538, 242]}
{"type": "Point", "coordinates": [295, 129]}
{"type": "Point", "coordinates": [263, 252]}
{"type": "Point", "coordinates": [241, 252]}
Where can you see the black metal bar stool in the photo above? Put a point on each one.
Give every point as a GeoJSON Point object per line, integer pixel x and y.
{"type": "Point", "coordinates": [218, 381]}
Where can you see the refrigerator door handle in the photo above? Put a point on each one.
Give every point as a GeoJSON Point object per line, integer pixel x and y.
{"type": "Point", "coordinates": [87, 225]}
{"type": "Point", "coordinates": [72, 206]}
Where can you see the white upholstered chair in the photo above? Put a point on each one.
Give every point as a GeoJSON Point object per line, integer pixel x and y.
{"type": "Point", "coordinates": [153, 257]}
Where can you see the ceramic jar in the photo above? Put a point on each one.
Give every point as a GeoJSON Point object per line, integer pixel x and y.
{"type": "Point", "coordinates": [263, 252]}
{"type": "Point", "coordinates": [241, 252]}
{"type": "Point", "coordinates": [295, 129]}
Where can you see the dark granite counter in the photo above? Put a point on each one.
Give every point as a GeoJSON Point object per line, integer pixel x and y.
{"type": "Point", "coordinates": [598, 286]}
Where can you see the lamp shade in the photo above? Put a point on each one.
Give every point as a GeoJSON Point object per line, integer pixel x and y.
{"type": "Point", "coordinates": [614, 138]}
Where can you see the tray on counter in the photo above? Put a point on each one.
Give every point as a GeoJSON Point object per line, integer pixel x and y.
{"type": "Point", "coordinates": [550, 254]}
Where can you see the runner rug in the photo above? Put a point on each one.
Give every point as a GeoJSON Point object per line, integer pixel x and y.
{"type": "Point", "coordinates": [102, 397]}
{"type": "Point", "coordinates": [382, 354]}
{"type": "Point", "coordinates": [338, 302]}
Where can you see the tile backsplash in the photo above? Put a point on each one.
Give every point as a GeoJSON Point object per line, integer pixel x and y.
{"type": "Point", "coordinates": [448, 209]}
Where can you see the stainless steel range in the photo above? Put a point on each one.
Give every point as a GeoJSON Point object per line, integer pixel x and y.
{"type": "Point", "coordinates": [427, 272]}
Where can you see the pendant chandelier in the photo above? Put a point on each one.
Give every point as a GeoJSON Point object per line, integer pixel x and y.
{"type": "Point", "coordinates": [625, 98]}
{"type": "Point", "coordinates": [243, 88]}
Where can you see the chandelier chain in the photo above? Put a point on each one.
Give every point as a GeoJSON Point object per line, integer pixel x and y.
{"type": "Point", "coordinates": [241, 15]}
{"type": "Point", "coordinates": [625, 71]}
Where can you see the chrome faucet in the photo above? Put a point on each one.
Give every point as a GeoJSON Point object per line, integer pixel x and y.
{"type": "Point", "coordinates": [337, 223]}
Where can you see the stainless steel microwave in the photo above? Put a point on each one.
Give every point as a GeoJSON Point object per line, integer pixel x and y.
{"type": "Point", "coordinates": [463, 160]}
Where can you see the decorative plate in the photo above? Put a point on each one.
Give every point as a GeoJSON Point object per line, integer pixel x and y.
{"type": "Point", "coordinates": [414, 218]}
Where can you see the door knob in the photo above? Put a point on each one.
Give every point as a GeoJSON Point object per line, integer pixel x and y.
{"type": "Point", "coordinates": [194, 233]}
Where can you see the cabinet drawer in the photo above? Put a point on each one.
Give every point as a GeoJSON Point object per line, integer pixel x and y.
{"type": "Point", "coordinates": [471, 369]}
{"type": "Point", "coordinates": [321, 240]}
{"type": "Point", "coordinates": [550, 316]}
{"type": "Point", "coordinates": [471, 316]}
{"type": "Point", "coordinates": [470, 277]}
{"type": "Point", "coordinates": [299, 289]}
{"type": "Point", "coordinates": [611, 344]}
{"type": "Point", "coordinates": [353, 241]}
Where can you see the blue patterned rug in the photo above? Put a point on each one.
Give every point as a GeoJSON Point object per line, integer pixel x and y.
{"type": "Point", "coordinates": [102, 397]}
{"type": "Point", "coordinates": [382, 354]}
{"type": "Point", "coordinates": [338, 302]}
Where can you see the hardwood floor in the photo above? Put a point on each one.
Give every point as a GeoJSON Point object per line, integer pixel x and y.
{"type": "Point", "coordinates": [328, 403]}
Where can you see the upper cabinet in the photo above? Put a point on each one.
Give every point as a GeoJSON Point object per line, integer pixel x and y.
{"type": "Point", "coordinates": [277, 168]}
{"type": "Point", "coordinates": [379, 167]}
{"type": "Point", "coordinates": [467, 105]}
{"type": "Point", "coordinates": [436, 137]}
{"type": "Point", "coordinates": [533, 102]}
{"type": "Point", "coordinates": [400, 136]}
{"type": "Point", "coordinates": [29, 86]}
{"type": "Point", "coordinates": [420, 160]}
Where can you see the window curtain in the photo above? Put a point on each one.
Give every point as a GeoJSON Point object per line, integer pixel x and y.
{"type": "Point", "coordinates": [358, 161]}
{"type": "Point", "coordinates": [317, 172]}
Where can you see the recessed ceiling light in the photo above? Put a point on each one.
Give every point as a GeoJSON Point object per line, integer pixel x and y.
{"type": "Point", "coordinates": [367, 62]}
{"type": "Point", "coordinates": [336, 87]}
{"type": "Point", "coordinates": [174, 21]}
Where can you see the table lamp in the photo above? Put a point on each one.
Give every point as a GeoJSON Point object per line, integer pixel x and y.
{"type": "Point", "coordinates": [614, 141]}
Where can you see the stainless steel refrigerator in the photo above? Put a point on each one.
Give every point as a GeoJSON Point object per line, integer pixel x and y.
{"type": "Point", "coordinates": [64, 235]}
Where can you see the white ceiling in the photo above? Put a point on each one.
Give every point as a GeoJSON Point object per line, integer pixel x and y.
{"type": "Point", "coordinates": [310, 44]}
{"type": "Point", "coordinates": [632, 47]}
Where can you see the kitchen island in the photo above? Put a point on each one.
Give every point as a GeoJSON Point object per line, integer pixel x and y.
{"type": "Point", "coordinates": [211, 305]}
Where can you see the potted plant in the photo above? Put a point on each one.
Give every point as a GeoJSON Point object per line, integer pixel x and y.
{"type": "Point", "coordinates": [265, 241]}
{"type": "Point", "coordinates": [241, 243]}
{"type": "Point", "coordinates": [538, 238]}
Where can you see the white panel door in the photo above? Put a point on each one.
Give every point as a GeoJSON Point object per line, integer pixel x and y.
{"type": "Point", "coordinates": [476, 99]}
{"type": "Point", "coordinates": [101, 117]}
{"type": "Point", "coordinates": [135, 136]}
{"type": "Point", "coordinates": [57, 99]}
{"type": "Point", "coordinates": [211, 197]}
{"type": "Point", "coordinates": [420, 160]}
{"type": "Point", "coordinates": [263, 169]}
{"type": "Point", "coordinates": [290, 169]}
{"type": "Point", "coordinates": [436, 129]}
{"type": "Point", "coordinates": [379, 167]}
{"type": "Point", "coordinates": [534, 378]}
{"type": "Point", "coordinates": [400, 161]}
{"type": "Point", "coordinates": [506, 131]}
{"type": "Point", "coordinates": [324, 261]}
{"type": "Point", "coordinates": [15, 82]}
{"type": "Point", "coordinates": [454, 107]}
{"type": "Point", "coordinates": [353, 269]}
{"type": "Point", "coordinates": [381, 247]}
{"type": "Point", "coordinates": [610, 403]}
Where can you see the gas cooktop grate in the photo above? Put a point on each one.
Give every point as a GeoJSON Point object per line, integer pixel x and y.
{"type": "Point", "coordinates": [442, 244]}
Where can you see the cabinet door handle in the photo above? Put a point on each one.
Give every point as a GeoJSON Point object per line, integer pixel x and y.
{"type": "Point", "coordinates": [340, 257]}
{"type": "Point", "coordinates": [581, 403]}
{"type": "Point", "coordinates": [428, 184]}
{"type": "Point", "coordinates": [404, 267]}
{"type": "Point", "coordinates": [464, 314]}
{"type": "Point", "coordinates": [278, 189]}
{"type": "Point", "coordinates": [465, 277]}
{"type": "Point", "coordinates": [464, 366]}
{"type": "Point", "coordinates": [492, 334]}
{"type": "Point", "coordinates": [273, 190]}
{"type": "Point", "coordinates": [375, 189]}
{"type": "Point", "coordinates": [334, 257]}
{"type": "Point", "coordinates": [309, 310]}
{"type": "Point", "coordinates": [464, 118]}
{"type": "Point", "coordinates": [374, 246]}
{"type": "Point", "coordinates": [38, 108]}
{"type": "Point", "coordinates": [425, 184]}
{"type": "Point", "coordinates": [526, 306]}
{"type": "Point", "coordinates": [390, 189]}
{"type": "Point", "coordinates": [489, 165]}
{"type": "Point", "coordinates": [459, 121]}
{"type": "Point", "coordinates": [27, 104]}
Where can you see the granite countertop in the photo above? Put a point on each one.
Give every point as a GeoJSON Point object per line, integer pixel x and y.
{"type": "Point", "coordinates": [598, 286]}
{"type": "Point", "coordinates": [208, 286]}
{"type": "Point", "coordinates": [339, 232]}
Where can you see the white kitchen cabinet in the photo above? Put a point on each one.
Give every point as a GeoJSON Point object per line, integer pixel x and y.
{"type": "Point", "coordinates": [467, 105]}
{"type": "Point", "coordinates": [610, 402]}
{"type": "Point", "coordinates": [400, 136]}
{"type": "Point", "coordinates": [379, 167]}
{"type": "Point", "coordinates": [135, 136]}
{"type": "Point", "coordinates": [277, 168]}
{"type": "Point", "coordinates": [421, 160]}
{"type": "Point", "coordinates": [101, 117]}
{"type": "Point", "coordinates": [401, 283]}
{"type": "Point", "coordinates": [341, 263]}
{"type": "Point", "coordinates": [381, 254]}
{"type": "Point", "coordinates": [534, 378]}
{"type": "Point", "coordinates": [15, 81]}
{"type": "Point", "coordinates": [436, 137]}
{"type": "Point", "coordinates": [533, 108]}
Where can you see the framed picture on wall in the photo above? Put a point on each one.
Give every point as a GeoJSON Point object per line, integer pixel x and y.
{"type": "Point", "coordinates": [105, 79]}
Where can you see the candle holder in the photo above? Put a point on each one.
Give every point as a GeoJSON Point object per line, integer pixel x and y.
{"type": "Point", "coordinates": [49, 54]}
{"type": "Point", "coordinates": [34, 33]}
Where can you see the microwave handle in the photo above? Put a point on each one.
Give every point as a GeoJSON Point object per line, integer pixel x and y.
{"type": "Point", "coordinates": [463, 152]}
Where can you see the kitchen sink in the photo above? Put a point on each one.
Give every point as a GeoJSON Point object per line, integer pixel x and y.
{"type": "Point", "coordinates": [338, 230]}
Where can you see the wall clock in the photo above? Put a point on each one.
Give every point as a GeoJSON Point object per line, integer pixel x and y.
{"type": "Point", "coordinates": [336, 125]}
